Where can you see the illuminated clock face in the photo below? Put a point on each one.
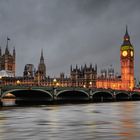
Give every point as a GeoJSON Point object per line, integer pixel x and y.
{"type": "Point", "coordinates": [124, 53]}
{"type": "Point", "coordinates": [131, 53]}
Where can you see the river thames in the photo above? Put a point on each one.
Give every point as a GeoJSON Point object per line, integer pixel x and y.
{"type": "Point", "coordinates": [103, 121]}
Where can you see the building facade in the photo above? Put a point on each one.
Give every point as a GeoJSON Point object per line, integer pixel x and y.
{"type": "Point", "coordinates": [29, 71]}
{"type": "Point", "coordinates": [108, 79]}
{"type": "Point", "coordinates": [8, 61]}
{"type": "Point", "coordinates": [85, 76]}
{"type": "Point", "coordinates": [126, 80]}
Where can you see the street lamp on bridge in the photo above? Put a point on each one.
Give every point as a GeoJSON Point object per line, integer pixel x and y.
{"type": "Point", "coordinates": [90, 84]}
{"type": "Point", "coordinates": [0, 79]}
{"type": "Point", "coordinates": [54, 82]}
{"type": "Point", "coordinates": [84, 86]}
{"type": "Point", "coordinates": [18, 82]}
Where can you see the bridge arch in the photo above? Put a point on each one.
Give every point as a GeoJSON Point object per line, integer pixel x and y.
{"type": "Point", "coordinates": [72, 95]}
{"type": "Point", "coordinates": [122, 96]}
{"type": "Point", "coordinates": [100, 96]}
{"type": "Point", "coordinates": [30, 95]}
{"type": "Point", "coordinates": [135, 96]}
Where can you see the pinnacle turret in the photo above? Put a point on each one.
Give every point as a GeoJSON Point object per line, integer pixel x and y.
{"type": "Point", "coordinates": [126, 41]}
{"type": "Point", "coordinates": [42, 57]}
{"type": "Point", "coordinates": [14, 52]}
{"type": "Point", "coordinates": [6, 49]}
{"type": "Point", "coordinates": [0, 51]}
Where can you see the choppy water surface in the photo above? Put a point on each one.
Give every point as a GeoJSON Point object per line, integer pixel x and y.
{"type": "Point", "coordinates": [118, 120]}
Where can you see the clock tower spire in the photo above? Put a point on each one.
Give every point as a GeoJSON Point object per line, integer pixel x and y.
{"type": "Point", "coordinates": [127, 63]}
{"type": "Point", "coordinates": [126, 41]}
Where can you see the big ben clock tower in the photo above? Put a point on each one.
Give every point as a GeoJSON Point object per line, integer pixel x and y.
{"type": "Point", "coordinates": [127, 63]}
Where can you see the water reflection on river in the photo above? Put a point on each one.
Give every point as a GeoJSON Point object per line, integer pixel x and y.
{"type": "Point", "coordinates": [107, 121]}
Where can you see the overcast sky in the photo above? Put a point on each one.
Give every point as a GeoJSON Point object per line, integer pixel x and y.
{"type": "Point", "coordinates": [69, 32]}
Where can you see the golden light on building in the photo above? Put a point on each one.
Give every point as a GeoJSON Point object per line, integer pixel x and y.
{"type": "Point", "coordinates": [114, 85]}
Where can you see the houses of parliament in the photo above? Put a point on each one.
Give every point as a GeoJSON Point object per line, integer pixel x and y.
{"type": "Point", "coordinates": [83, 76]}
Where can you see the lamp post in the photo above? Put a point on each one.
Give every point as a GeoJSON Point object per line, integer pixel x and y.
{"type": "Point", "coordinates": [84, 86]}
{"type": "Point", "coordinates": [1, 80]}
{"type": "Point", "coordinates": [90, 84]}
{"type": "Point", "coordinates": [18, 82]}
{"type": "Point", "coordinates": [54, 88]}
{"type": "Point", "coordinates": [54, 82]}
{"type": "Point", "coordinates": [38, 78]}
{"type": "Point", "coordinates": [57, 84]}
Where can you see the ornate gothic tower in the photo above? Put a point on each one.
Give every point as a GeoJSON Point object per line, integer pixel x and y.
{"type": "Point", "coordinates": [7, 60]}
{"type": "Point", "coordinates": [41, 72]}
{"type": "Point", "coordinates": [127, 63]}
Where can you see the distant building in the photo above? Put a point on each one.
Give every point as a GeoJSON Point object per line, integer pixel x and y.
{"type": "Point", "coordinates": [84, 76]}
{"type": "Point", "coordinates": [29, 71]}
{"type": "Point", "coordinates": [5, 73]}
{"type": "Point", "coordinates": [7, 61]}
{"type": "Point", "coordinates": [41, 71]}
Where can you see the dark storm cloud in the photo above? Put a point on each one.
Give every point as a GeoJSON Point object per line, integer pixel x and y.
{"type": "Point", "coordinates": [69, 31]}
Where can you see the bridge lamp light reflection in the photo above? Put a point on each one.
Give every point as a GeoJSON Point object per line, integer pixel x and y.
{"type": "Point", "coordinates": [84, 86]}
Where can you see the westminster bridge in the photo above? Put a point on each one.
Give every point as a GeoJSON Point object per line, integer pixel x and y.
{"type": "Point", "coordinates": [42, 94]}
